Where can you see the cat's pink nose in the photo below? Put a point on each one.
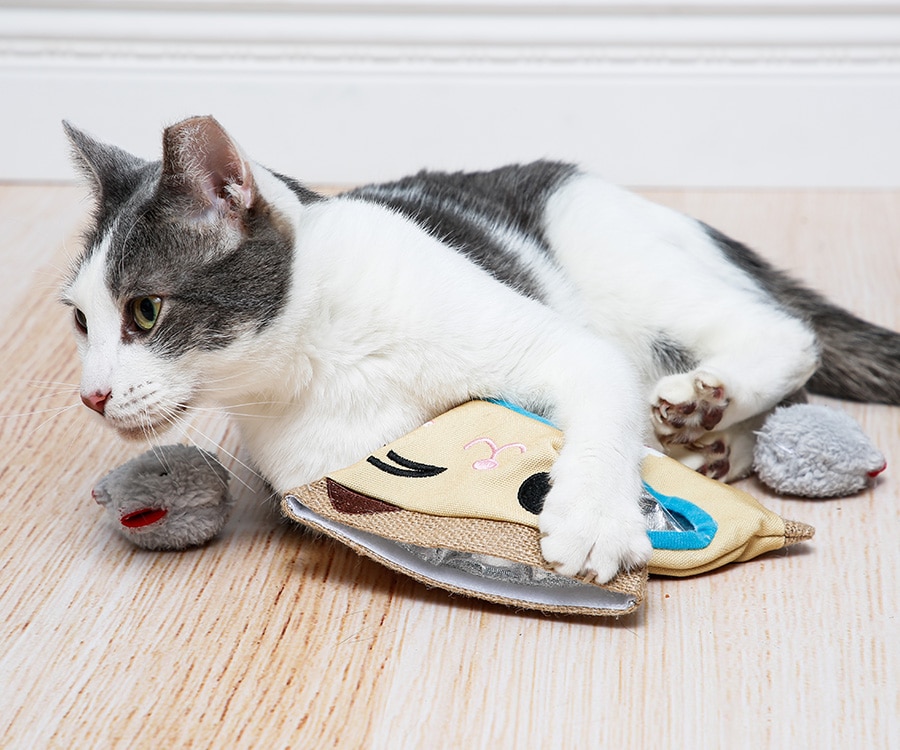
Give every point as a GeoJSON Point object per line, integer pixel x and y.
{"type": "Point", "coordinates": [96, 400]}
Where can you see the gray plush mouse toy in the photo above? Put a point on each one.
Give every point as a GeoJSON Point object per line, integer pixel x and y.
{"type": "Point", "coordinates": [815, 451]}
{"type": "Point", "coordinates": [171, 497]}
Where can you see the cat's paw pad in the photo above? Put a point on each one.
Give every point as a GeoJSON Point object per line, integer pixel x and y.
{"type": "Point", "coordinates": [597, 548]}
{"type": "Point", "coordinates": [684, 407]}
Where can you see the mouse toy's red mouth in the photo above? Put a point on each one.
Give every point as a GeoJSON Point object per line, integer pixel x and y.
{"type": "Point", "coordinates": [143, 517]}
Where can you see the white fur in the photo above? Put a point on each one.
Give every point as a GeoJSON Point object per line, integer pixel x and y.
{"type": "Point", "coordinates": [380, 365]}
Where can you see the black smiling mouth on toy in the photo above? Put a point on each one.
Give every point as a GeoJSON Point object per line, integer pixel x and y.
{"type": "Point", "coordinates": [405, 467]}
{"type": "Point", "coordinates": [137, 519]}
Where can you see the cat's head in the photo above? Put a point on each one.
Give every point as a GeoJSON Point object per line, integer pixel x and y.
{"type": "Point", "coordinates": [187, 260]}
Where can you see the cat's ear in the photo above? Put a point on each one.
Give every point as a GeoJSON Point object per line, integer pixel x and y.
{"type": "Point", "coordinates": [203, 164]}
{"type": "Point", "coordinates": [111, 172]}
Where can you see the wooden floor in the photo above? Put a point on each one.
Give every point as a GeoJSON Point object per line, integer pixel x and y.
{"type": "Point", "coordinates": [272, 638]}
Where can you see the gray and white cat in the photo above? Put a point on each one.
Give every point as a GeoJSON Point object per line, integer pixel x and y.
{"type": "Point", "coordinates": [331, 326]}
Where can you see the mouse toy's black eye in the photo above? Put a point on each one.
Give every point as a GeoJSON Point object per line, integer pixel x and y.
{"type": "Point", "coordinates": [80, 320]}
{"type": "Point", "coordinates": [145, 312]}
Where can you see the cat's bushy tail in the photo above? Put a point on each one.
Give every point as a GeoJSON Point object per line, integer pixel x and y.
{"type": "Point", "coordinates": [860, 361]}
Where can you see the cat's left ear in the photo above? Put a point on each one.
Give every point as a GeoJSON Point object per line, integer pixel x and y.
{"type": "Point", "coordinates": [204, 165]}
{"type": "Point", "coordinates": [112, 173]}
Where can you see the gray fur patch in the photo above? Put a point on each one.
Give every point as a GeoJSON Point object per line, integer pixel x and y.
{"type": "Point", "coordinates": [214, 286]}
{"type": "Point", "coordinates": [670, 357]}
{"type": "Point", "coordinates": [303, 193]}
{"type": "Point", "coordinates": [482, 214]}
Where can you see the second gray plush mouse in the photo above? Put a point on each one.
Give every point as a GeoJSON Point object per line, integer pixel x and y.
{"type": "Point", "coordinates": [815, 451]}
{"type": "Point", "coordinates": [171, 497]}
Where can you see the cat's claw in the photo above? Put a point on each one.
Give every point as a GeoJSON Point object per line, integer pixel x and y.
{"type": "Point", "coordinates": [684, 407]}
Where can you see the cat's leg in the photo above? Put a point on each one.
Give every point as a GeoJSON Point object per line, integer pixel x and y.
{"type": "Point", "coordinates": [725, 454]}
{"type": "Point", "coordinates": [591, 523]}
{"type": "Point", "coordinates": [646, 274]}
{"type": "Point", "coordinates": [706, 417]}
{"type": "Point", "coordinates": [768, 356]}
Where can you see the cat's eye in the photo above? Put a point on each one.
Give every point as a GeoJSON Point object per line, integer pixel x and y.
{"type": "Point", "coordinates": [145, 312]}
{"type": "Point", "coordinates": [80, 320]}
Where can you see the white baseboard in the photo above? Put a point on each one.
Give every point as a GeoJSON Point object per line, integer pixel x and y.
{"type": "Point", "coordinates": [725, 93]}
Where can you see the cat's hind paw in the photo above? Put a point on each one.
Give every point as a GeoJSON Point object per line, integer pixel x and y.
{"type": "Point", "coordinates": [710, 456]}
{"type": "Point", "coordinates": [685, 407]}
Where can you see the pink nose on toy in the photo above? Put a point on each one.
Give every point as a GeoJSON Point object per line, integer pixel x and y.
{"type": "Point", "coordinates": [96, 400]}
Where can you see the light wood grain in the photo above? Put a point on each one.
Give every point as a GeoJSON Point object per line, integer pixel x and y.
{"type": "Point", "coordinates": [272, 638]}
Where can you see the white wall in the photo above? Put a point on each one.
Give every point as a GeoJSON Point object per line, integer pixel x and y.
{"type": "Point", "coordinates": [714, 93]}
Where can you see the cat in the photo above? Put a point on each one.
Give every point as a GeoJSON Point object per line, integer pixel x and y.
{"type": "Point", "coordinates": [330, 326]}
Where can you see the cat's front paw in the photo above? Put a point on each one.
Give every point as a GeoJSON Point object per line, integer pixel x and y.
{"type": "Point", "coordinates": [581, 540]}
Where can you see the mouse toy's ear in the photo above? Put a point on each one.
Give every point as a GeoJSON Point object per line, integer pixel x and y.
{"type": "Point", "coordinates": [111, 172]}
{"type": "Point", "coordinates": [203, 165]}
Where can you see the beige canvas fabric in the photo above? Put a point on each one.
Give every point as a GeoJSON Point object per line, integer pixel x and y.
{"type": "Point", "coordinates": [486, 452]}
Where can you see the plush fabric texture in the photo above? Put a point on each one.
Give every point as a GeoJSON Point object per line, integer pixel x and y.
{"type": "Point", "coordinates": [171, 497]}
{"type": "Point", "coordinates": [455, 504]}
{"type": "Point", "coordinates": [815, 451]}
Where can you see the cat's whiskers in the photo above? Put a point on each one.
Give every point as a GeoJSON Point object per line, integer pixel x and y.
{"type": "Point", "coordinates": [56, 413]}
{"type": "Point", "coordinates": [220, 385]}
{"type": "Point", "coordinates": [53, 388]}
{"type": "Point", "coordinates": [185, 426]}
{"type": "Point", "coordinates": [56, 410]}
{"type": "Point", "coordinates": [231, 376]}
{"type": "Point", "coordinates": [123, 254]}
{"type": "Point", "coordinates": [153, 439]}
{"type": "Point", "coordinates": [52, 273]}
{"type": "Point", "coordinates": [65, 436]}
{"type": "Point", "coordinates": [73, 387]}
{"type": "Point", "coordinates": [230, 410]}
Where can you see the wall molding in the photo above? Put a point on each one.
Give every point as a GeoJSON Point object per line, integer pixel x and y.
{"type": "Point", "coordinates": [649, 93]}
{"type": "Point", "coordinates": [513, 37]}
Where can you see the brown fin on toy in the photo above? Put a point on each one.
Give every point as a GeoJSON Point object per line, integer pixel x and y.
{"type": "Point", "coordinates": [796, 532]}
